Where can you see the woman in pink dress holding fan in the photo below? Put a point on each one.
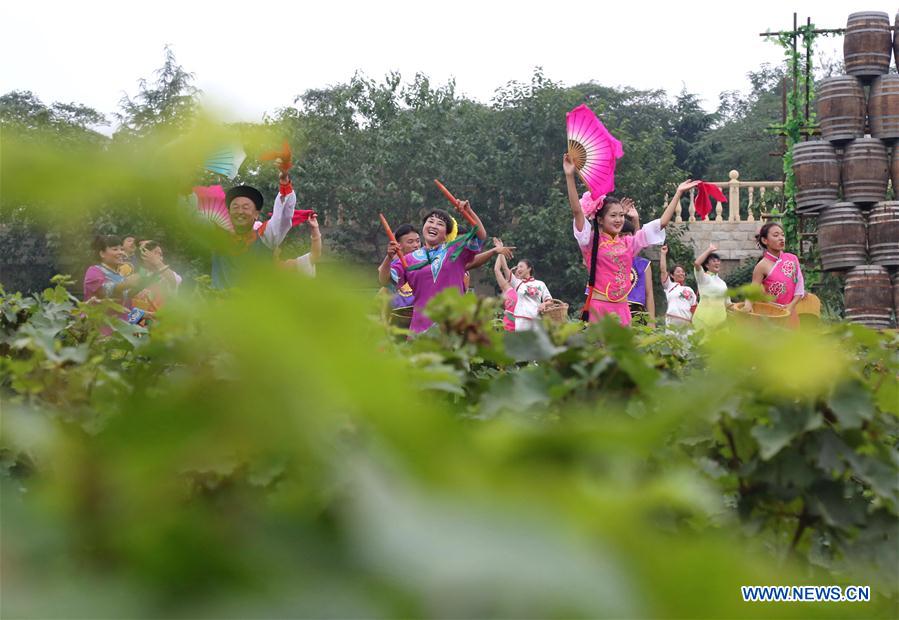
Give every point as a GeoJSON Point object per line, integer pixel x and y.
{"type": "Point", "coordinates": [599, 217]}
{"type": "Point", "coordinates": [607, 254]}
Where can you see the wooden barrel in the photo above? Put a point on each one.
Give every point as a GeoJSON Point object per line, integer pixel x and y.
{"type": "Point", "coordinates": [841, 108]}
{"type": "Point", "coordinates": [868, 296]}
{"type": "Point", "coordinates": [817, 173]}
{"type": "Point", "coordinates": [867, 44]}
{"type": "Point", "coordinates": [883, 107]}
{"type": "Point", "coordinates": [865, 171]}
{"type": "Point", "coordinates": [883, 234]}
{"type": "Point", "coordinates": [841, 237]}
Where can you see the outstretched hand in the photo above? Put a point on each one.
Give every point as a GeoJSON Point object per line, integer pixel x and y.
{"type": "Point", "coordinates": [687, 185]}
{"type": "Point", "coordinates": [713, 247]}
{"type": "Point", "coordinates": [630, 208]}
{"type": "Point", "coordinates": [508, 252]}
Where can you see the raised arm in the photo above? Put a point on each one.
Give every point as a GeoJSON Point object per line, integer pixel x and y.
{"type": "Point", "coordinates": [282, 213]}
{"type": "Point", "coordinates": [573, 199]}
{"type": "Point", "coordinates": [316, 252]}
{"type": "Point", "coordinates": [465, 207]}
{"type": "Point", "coordinates": [663, 264]}
{"type": "Point", "coordinates": [701, 258]}
{"type": "Point", "coordinates": [499, 271]}
{"type": "Point", "coordinates": [668, 213]}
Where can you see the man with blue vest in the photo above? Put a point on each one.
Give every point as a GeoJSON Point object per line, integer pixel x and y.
{"type": "Point", "coordinates": [249, 243]}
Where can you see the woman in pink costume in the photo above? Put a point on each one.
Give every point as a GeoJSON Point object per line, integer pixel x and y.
{"type": "Point", "coordinates": [778, 271]}
{"type": "Point", "coordinates": [597, 227]}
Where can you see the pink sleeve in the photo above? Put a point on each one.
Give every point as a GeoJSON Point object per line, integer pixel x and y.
{"type": "Point", "coordinates": [800, 282]}
{"type": "Point", "coordinates": [93, 282]}
{"type": "Point", "coordinates": [649, 234]}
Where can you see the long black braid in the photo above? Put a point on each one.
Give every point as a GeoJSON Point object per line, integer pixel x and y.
{"type": "Point", "coordinates": [585, 315]}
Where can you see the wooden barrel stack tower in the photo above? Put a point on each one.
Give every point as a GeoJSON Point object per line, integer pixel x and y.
{"type": "Point", "coordinates": [845, 177]}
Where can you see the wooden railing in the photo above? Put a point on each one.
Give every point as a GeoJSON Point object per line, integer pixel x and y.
{"type": "Point", "coordinates": [756, 204]}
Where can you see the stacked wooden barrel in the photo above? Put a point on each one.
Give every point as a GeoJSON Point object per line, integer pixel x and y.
{"type": "Point", "coordinates": [845, 177]}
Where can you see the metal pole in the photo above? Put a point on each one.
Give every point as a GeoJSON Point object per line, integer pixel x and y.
{"type": "Point", "coordinates": [795, 69]}
{"type": "Point", "coordinates": [808, 77]}
{"type": "Point", "coordinates": [815, 31]}
{"type": "Point", "coordinates": [783, 113]}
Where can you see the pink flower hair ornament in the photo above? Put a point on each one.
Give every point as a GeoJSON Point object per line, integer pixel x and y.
{"type": "Point", "coordinates": [590, 205]}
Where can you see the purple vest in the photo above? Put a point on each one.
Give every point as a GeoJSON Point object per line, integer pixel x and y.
{"type": "Point", "coordinates": [638, 276]}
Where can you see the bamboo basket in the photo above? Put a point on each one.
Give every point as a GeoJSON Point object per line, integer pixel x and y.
{"type": "Point", "coordinates": [762, 312]}
{"type": "Point", "coordinates": [810, 304]}
{"type": "Point", "coordinates": [557, 312]}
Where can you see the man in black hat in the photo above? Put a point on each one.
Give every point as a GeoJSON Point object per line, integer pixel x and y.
{"type": "Point", "coordinates": [244, 206]}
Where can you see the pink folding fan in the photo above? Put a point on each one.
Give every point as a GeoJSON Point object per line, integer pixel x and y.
{"type": "Point", "coordinates": [593, 150]}
{"type": "Point", "coordinates": [210, 202]}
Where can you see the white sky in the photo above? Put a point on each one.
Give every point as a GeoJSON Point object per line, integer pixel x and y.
{"type": "Point", "coordinates": [92, 51]}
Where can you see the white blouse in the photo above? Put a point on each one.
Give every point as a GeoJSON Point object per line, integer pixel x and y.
{"type": "Point", "coordinates": [680, 299]}
{"type": "Point", "coordinates": [531, 293]}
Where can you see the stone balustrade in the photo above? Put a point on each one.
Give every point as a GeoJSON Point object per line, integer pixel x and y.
{"type": "Point", "coordinates": [731, 226]}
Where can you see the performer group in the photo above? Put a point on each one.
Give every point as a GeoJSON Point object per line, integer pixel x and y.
{"type": "Point", "coordinates": [421, 262]}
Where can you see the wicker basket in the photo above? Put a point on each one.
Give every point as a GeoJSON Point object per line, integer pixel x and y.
{"type": "Point", "coordinates": [810, 304]}
{"type": "Point", "coordinates": [557, 311]}
{"type": "Point", "coordinates": [762, 311]}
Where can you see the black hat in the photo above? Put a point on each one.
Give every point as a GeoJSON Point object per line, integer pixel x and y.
{"type": "Point", "coordinates": [244, 191]}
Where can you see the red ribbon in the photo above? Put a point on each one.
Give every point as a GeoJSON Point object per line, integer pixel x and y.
{"type": "Point", "coordinates": [702, 203]}
{"type": "Point", "coordinates": [300, 216]}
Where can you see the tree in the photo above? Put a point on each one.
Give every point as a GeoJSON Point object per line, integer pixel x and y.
{"type": "Point", "coordinates": [23, 112]}
{"type": "Point", "coordinates": [171, 101]}
{"type": "Point", "coordinates": [743, 140]}
{"type": "Point", "coordinates": [690, 123]}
